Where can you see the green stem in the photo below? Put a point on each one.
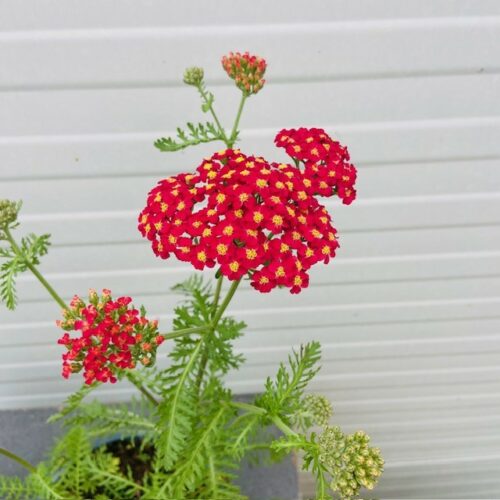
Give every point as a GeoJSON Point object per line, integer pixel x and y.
{"type": "Point", "coordinates": [204, 96]}
{"type": "Point", "coordinates": [18, 459]}
{"type": "Point", "coordinates": [185, 331]}
{"type": "Point", "coordinates": [218, 289]}
{"type": "Point", "coordinates": [282, 426]}
{"type": "Point", "coordinates": [34, 270]}
{"type": "Point", "coordinates": [225, 303]}
{"type": "Point", "coordinates": [131, 377]}
{"type": "Point", "coordinates": [234, 132]}
{"type": "Point", "coordinates": [249, 408]}
{"type": "Point", "coordinates": [215, 321]}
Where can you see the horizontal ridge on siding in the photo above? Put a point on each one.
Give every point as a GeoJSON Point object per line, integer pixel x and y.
{"type": "Point", "coordinates": [113, 57]}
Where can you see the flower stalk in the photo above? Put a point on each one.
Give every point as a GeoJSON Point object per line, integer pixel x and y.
{"type": "Point", "coordinates": [34, 270]}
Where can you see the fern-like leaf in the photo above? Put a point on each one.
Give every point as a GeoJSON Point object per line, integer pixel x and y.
{"type": "Point", "coordinates": [282, 395]}
{"type": "Point", "coordinates": [176, 412]}
{"type": "Point", "coordinates": [125, 419]}
{"type": "Point", "coordinates": [8, 272]}
{"type": "Point", "coordinates": [68, 460]}
{"type": "Point", "coordinates": [73, 402]}
{"type": "Point", "coordinates": [104, 468]}
{"type": "Point", "coordinates": [196, 134]}
{"type": "Point", "coordinates": [14, 488]}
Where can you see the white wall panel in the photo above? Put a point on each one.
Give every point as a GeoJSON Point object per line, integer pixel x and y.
{"type": "Point", "coordinates": [408, 313]}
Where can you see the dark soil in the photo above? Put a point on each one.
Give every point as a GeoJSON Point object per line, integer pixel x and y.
{"type": "Point", "coordinates": [134, 455]}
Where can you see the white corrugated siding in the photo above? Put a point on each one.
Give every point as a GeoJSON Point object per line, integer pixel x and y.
{"type": "Point", "coordinates": [409, 312]}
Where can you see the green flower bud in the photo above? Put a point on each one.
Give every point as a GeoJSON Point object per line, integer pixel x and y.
{"type": "Point", "coordinates": [8, 212]}
{"type": "Point", "coordinates": [319, 407]}
{"type": "Point", "coordinates": [350, 461]}
{"type": "Point", "coordinates": [193, 76]}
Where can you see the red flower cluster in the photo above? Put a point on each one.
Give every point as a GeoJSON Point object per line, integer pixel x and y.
{"type": "Point", "coordinates": [114, 336]}
{"type": "Point", "coordinates": [246, 70]}
{"type": "Point", "coordinates": [326, 161]}
{"type": "Point", "coordinates": [247, 216]}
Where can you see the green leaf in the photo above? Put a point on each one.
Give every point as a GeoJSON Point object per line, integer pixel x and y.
{"type": "Point", "coordinates": [134, 418]}
{"type": "Point", "coordinates": [205, 107]}
{"type": "Point", "coordinates": [283, 395]}
{"type": "Point", "coordinates": [73, 402]}
{"type": "Point", "coordinates": [8, 272]}
{"type": "Point", "coordinates": [176, 412]}
{"type": "Point", "coordinates": [31, 249]}
{"type": "Point", "coordinates": [196, 134]}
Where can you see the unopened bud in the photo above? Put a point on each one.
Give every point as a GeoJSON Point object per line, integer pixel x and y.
{"type": "Point", "coordinates": [193, 76]}
{"type": "Point", "coordinates": [8, 212]}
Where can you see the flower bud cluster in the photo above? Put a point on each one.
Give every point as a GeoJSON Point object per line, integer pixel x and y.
{"type": "Point", "coordinates": [350, 461]}
{"type": "Point", "coordinates": [193, 76]}
{"type": "Point", "coordinates": [246, 70]}
{"type": "Point", "coordinates": [8, 212]}
{"type": "Point", "coordinates": [319, 407]}
{"type": "Point", "coordinates": [113, 336]}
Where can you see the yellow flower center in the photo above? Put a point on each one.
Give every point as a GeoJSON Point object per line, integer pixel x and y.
{"type": "Point", "coordinates": [221, 249]}
{"type": "Point", "coordinates": [251, 253]}
{"type": "Point", "coordinates": [257, 217]}
{"type": "Point", "coordinates": [280, 272]}
{"type": "Point", "coordinates": [277, 220]}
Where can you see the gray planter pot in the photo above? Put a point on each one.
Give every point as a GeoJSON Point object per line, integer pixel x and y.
{"type": "Point", "coordinates": [26, 433]}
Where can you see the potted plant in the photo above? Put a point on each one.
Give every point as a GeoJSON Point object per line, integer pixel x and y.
{"type": "Point", "coordinates": [185, 434]}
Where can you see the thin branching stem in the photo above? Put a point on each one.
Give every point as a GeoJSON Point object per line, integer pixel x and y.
{"type": "Point", "coordinates": [218, 289]}
{"type": "Point", "coordinates": [18, 459]}
{"type": "Point", "coordinates": [34, 270]}
{"type": "Point", "coordinates": [209, 103]}
{"type": "Point", "coordinates": [133, 380]}
{"type": "Point", "coordinates": [234, 132]}
{"type": "Point", "coordinates": [215, 321]}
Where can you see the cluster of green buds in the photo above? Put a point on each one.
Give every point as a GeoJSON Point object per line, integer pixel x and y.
{"type": "Point", "coordinates": [194, 76]}
{"type": "Point", "coordinates": [8, 213]}
{"type": "Point", "coordinates": [319, 408]}
{"type": "Point", "coordinates": [246, 70]}
{"type": "Point", "coordinates": [350, 461]}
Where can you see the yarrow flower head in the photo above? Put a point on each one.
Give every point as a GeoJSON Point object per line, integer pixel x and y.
{"type": "Point", "coordinates": [8, 212]}
{"type": "Point", "coordinates": [246, 70]}
{"type": "Point", "coordinates": [247, 216]}
{"type": "Point", "coordinates": [113, 336]}
{"type": "Point", "coordinates": [326, 162]}
{"type": "Point", "coordinates": [350, 460]}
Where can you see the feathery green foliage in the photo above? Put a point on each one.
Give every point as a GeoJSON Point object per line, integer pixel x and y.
{"type": "Point", "coordinates": [199, 434]}
{"type": "Point", "coordinates": [196, 134]}
{"type": "Point", "coordinates": [123, 419]}
{"type": "Point", "coordinates": [283, 395]}
{"type": "Point", "coordinates": [17, 261]}
{"type": "Point", "coordinates": [73, 402]}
